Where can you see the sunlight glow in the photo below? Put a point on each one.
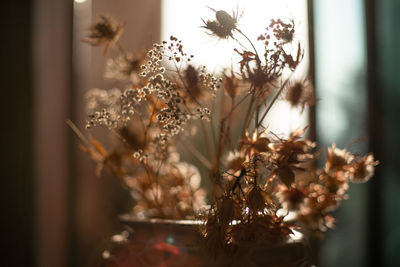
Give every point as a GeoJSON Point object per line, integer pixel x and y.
{"type": "Point", "coordinates": [183, 19]}
{"type": "Point", "coordinates": [296, 236]}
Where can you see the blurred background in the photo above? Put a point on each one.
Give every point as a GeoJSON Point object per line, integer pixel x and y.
{"type": "Point", "coordinates": [56, 212]}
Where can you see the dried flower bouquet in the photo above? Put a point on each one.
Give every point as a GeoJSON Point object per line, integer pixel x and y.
{"type": "Point", "coordinates": [263, 185]}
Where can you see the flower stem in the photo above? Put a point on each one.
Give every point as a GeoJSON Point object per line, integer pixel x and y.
{"type": "Point", "coordinates": [273, 101]}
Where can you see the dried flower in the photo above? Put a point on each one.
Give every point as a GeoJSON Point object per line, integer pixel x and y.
{"type": "Point", "coordinates": [361, 170]}
{"type": "Point", "coordinates": [300, 94]}
{"type": "Point", "coordinates": [256, 174]}
{"type": "Point", "coordinates": [125, 67]}
{"type": "Point", "coordinates": [292, 198]}
{"type": "Point", "coordinates": [337, 159]}
{"type": "Point", "coordinates": [97, 99]}
{"type": "Point", "coordinates": [283, 32]}
{"type": "Point", "coordinates": [256, 201]}
{"type": "Point", "coordinates": [192, 79]}
{"type": "Point", "coordinates": [234, 160]}
{"type": "Point", "coordinates": [104, 32]}
{"type": "Point", "coordinates": [223, 26]}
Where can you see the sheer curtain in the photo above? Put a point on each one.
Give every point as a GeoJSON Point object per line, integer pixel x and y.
{"type": "Point", "coordinates": [341, 117]}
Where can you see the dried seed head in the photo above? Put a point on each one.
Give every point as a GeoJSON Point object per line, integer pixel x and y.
{"type": "Point", "coordinates": [225, 20]}
{"type": "Point", "coordinates": [104, 32]}
{"type": "Point", "coordinates": [292, 198]}
{"type": "Point", "coordinates": [294, 93]}
{"type": "Point", "coordinates": [337, 158]}
{"type": "Point", "coordinates": [256, 200]}
{"type": "Point", "coordinates": [192, 80]}
{"type": "Point", "coordinates": [300, 94]}
{"type": "Point", "coordinates": [283, 32]}
{"type": "Point", "coordinates": [235, 160]}
{"type": "Point", "coordinates": [126, 67]}
{"type": "Point", "coordinates": [223, 26]}
{"type": "Point", "coordinates": [363, 169]}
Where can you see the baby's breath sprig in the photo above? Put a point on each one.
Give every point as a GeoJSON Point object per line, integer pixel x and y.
{"type": "Point", "coordinates": [103, 117]}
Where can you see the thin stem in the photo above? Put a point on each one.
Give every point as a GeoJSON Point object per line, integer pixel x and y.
{"type": "Point", "coordinates": [230, 123]}
{"type": "Point", "coordinates": [184, 85]}
{"type": "Point", "coordinates": [158, 173]}
{"type": "Point", "coordinates": [239, 42]}
{"type": "Point", "coordinates": [206, 163]}
{"type": "Point", "coordinates": [198, 103]}
{"type": "Point", "coordinates": [122, 50]}
{"type": "Point", "coordinates": [211, 124]}
{"type": "Point", "coordinates": [252, 45]}
{"type": "Point", "coordinates": [78, 132]}
{"type": "Point", "coordinates": [257, 116]}
{"type": "Point", "coordinates": [206, 139]}
{"type": "Point", "coordinates": [245, 124]}
{"type": "Point", "coordinates": [273, 101]}
{"type": "Point", "coordinates": [219, 149]}
{"type": "Point", "coordinates": [146, 130]}
{"type": "Point", "coordinates": [154, 190]}
{"type": "Point", "coordinates": [236, 105]}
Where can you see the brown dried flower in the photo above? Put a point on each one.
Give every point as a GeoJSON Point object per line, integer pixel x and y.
{"type": "Point", "coordinates": [300, 94]}
{"type": "Point", "coordinates": [167, 98]}
{"type": "Point", "coordinates": [337, 159]}
{"type": "Point", "coordinates": [256, 201]}
{"type": "Point", "coordinates": [104, 32]}
{"type": "Point", "coordinates": [292, 198]}
{"type": "Point", "coordinates": [125, 67]}
{"type": "Point", "coordinates": [361, 170]}
{"type": "Point", "coordinates": [223, 26]}
{"type": "Point", "coordinates": [283, 31]}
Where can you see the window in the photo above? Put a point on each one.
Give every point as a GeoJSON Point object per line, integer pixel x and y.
{"type": "Point", "coordinates": [341, 82]}
{"type": "Point", "coordinates": [183, 19]}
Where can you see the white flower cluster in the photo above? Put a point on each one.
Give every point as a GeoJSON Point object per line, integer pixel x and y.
{"type": "Point", "coordinates": [209, 81]}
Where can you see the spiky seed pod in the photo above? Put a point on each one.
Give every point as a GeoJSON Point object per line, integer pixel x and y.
{"type": "Point", "coordinates": [294, 93]}
{"type": "Point", "coordinates": [300, 94]}
{"type": "Point", "coordinates": [225, 20]}
{"type": "Point", "coordinates": [223, 26]}
{"type": "Point", "coordinates": [105, 32]}
{"type": "Point", "coordinates": [192, 80]}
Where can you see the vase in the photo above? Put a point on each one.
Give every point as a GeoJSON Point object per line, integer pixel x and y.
{"type": "Point", "coordinates": [176, 243]}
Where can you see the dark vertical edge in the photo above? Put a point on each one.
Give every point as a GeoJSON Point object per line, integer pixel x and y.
{"type": "Point", "coordinates": [312, 115]}
{"type": "Point", "coordinates": [375, 128]}
{"type": "Point", "coordinates": [73, 243]}
{"type": "Point", "coordinates": [16, 178]}
{"type": "Point", "coordinates": [29, 184]}
{"type": "Point", "coordinates": [311, 71]}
